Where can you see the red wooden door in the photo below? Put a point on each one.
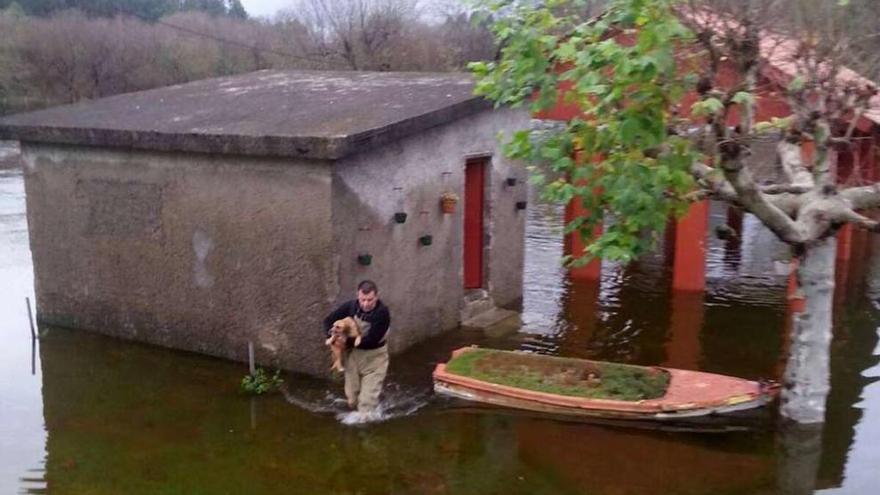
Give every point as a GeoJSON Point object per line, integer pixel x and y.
{"type": "Point", "coordinates": [474, 177]}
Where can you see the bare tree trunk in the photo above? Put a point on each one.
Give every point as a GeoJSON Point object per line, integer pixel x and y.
{"type": "Point", "coordinates": [807, 372]}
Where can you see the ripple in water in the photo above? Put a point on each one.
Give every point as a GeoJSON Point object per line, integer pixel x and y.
{"type": "Point", "coordinates": [396, 402]}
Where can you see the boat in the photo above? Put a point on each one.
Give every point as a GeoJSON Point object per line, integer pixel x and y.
{"type": "Point", "coordinates": [687, 394]}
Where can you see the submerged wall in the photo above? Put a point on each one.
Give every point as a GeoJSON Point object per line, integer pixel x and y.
{"type": "Point", "coordinates": [196, 252]}
{"type": "Point", "coordinates": [423, 285]}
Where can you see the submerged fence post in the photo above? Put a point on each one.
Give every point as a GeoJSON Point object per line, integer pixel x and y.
{"type": "Point", "coordinates": [27, 301]}
{"type": "Point", "coordinates": [251, 357]}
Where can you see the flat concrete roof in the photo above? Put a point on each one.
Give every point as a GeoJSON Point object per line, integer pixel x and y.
{"type": "Point", "coordinates": [305, 114]}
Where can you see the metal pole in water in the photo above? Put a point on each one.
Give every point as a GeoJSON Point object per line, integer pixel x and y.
{"type": "Point", "coordinates": [27, 301]}
{"type": "Point", "coordinates": [251, 357]}
{"type": "Point", "coordinates": [253, 413]}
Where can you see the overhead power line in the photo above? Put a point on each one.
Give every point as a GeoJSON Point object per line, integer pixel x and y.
{"type": "Point", "coordinates": [219, 39]}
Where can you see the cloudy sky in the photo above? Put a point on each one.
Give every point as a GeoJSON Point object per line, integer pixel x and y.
{"type": "Point", "coordinates": [264, 8]}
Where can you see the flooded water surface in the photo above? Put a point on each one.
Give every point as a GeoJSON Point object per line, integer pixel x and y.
{"type": "Point", "coordinates": [85, 414]}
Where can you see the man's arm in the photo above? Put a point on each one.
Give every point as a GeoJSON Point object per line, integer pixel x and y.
{"type": "Point", "coordinates": [339, 313]}
{"type": "Point", "coordinates": [378, 328]}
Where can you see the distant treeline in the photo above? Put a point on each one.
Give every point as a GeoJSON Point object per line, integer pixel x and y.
{"type": "Point", "coordinates": [51, 54]}
{"type": "Point", "coordinates": [144, 9]}
{"type": "Point", "coordinates": [62, 51]}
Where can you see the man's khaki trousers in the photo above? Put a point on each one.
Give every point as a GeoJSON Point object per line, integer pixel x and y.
{"type": "Point", "coordinates": [365, 372]}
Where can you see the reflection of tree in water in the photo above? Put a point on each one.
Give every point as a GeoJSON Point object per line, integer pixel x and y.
{"type": "Point", "coordinates": [852, 353]}
{"type": "Point", "coordinates": [816, 458]}
{"type": "Point", "coordinates": [799, 451]}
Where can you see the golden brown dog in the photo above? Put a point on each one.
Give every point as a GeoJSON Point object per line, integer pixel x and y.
{"type": "Point", "coordinates": [344, 329]}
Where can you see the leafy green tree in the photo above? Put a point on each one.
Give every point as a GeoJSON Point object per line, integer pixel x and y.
{"type": "Point", "coordinates": [644, 174]}
{"type": "Point", "coordinates": [659, 130]}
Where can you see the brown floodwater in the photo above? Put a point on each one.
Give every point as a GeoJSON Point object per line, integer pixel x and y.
{"type": "Point", "coordinates": [85, 414]}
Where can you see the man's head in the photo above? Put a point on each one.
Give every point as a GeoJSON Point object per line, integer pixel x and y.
{"type": "Point", "coordinates": [368, 295]}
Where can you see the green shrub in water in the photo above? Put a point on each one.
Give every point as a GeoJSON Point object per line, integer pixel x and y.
{"type": "Point", "coordinates": [261, 382]}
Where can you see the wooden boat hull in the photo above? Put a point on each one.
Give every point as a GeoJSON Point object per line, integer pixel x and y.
{"type": "Point", "coordinates": [691, 394]}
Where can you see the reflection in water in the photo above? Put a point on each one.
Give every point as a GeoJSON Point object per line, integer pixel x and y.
{"type": "Point", "coordinates": [22, 434]}
{"type": "Point", "coordinates": [129, 418]}
{"type": "Point", "coordinates": [800, 448]}
{"type": "Point", "coordinates": [850, 451]}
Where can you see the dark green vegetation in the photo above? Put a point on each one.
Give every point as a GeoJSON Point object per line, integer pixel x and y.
{"type": "Point", "coordinates": [261, 382]}
{"type": "Point", "coordinates": [561, 376]}
{"type": "Point", "coordinates": [145, 9]}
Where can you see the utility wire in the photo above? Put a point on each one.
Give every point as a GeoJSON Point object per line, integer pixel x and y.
{"type": "Point", "coordinates": [239, 44]}
{"type": "Point", "coordinates": [219, 39]}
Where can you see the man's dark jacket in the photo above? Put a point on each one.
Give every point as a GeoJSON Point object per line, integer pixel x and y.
{"type": "Point", "coordinates": [379, 319]}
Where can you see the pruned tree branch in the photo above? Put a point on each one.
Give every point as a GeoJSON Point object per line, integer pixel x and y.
{"type": "Point", "coordinates": [785, 189]}
{"type": "Point", "coordinates": [757, 203]}
{"type": "Point", "coordinates": [796, 177]}
{"type": "Point", "coordinates": [864, 197]}
{"type": "Point", "coordinates": [851, 216]}
{"type": "Point", "coordinates": [714, 183]}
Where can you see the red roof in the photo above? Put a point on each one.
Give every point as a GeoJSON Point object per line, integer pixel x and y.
{"type": "Point", "coordinates": [779, 52]}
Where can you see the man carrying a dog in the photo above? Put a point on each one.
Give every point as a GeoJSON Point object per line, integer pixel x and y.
{"type": "Point", "coordinates": [365, 364]}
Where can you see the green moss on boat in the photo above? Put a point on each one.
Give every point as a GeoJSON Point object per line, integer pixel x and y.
{"type": "Point", "coordinates": [561, 376]}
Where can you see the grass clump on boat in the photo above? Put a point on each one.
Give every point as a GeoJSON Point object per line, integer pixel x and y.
{"type": "Point", "coordinates": [561, 376]}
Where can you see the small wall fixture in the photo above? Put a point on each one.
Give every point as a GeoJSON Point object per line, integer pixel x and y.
{"type": "Point", "coordinates": [426, 240]}
{"type": "Point", "coordinates": [521, 205]}
{"type": "Point", "coordinates": [510, 181]}
{"type": "Point", "coordinates": [400, 217]}
{"type": "Point", "coordinates": [365, 259]}
{"type": "Point", "coordinates": [448, 200]}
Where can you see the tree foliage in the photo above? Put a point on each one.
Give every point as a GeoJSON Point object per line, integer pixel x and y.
{"type": "Point", "coordinates": [669, 94]}
{"type": "Point", "coordinates": [659, 128]}
{"type": "Point", "coordinates": [618, 157]}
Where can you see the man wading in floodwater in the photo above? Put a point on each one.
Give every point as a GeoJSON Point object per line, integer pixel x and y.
{"type": "Point", "coordinates": [366, 364]}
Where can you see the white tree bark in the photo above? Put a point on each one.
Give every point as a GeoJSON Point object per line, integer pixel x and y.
{"type": "Point", "coordinates": [807, 373]}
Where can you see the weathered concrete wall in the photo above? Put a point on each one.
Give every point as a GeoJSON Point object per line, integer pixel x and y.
{"type": "Point", "coordinates": [423, 285]}
{"type": "Point", "coordinates": [197, 252]}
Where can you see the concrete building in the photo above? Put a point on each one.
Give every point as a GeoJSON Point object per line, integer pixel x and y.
{"type": "Point", "coordinates": [205, 215]}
